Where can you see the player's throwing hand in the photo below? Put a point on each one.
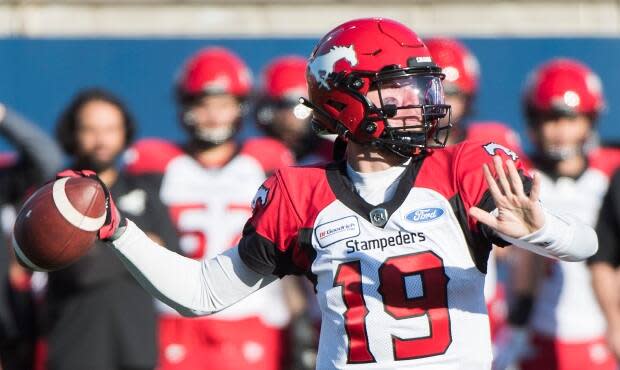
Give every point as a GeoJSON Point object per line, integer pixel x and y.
{"type": "Point", "coordinates": [517, 213]}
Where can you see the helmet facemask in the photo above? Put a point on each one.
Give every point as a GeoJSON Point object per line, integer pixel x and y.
{"type": "Point", "coordinates": [409, 104]}
{"type": "Point", "coordinates": [402, 109]}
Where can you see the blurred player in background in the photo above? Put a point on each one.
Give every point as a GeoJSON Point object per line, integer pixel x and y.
{"type": "Point", "coordinates": [279, 113]}
{"type": "Point", "coordinates": [462, 72]}
{"type": "Point", "coordinates": [208, 184]}
{"type": "Point", "coordinates": [98, 316]}
{"type": "Point", "coordinates": [495, 292]}
{"type": "Point", "coordinates": [37, 159]}
{"type": "Point", "coordinates": [554, 300]}
{"type": "Point", "coordinates": [605, 263]}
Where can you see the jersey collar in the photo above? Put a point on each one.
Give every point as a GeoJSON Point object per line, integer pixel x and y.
{"type": "Point", "coordinates": [344, 190]}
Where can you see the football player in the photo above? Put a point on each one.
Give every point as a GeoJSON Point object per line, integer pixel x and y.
{"type": "Point", "coordinates": [461, 69]}
{"type": "Point", "coordinates": [395, 236]}
{"type": "Point", "coordinates": [554, 299]}
{"type": "Point", "coordinates": [279, 113]}
{"type": "Point", "coordinates": [208, 184]}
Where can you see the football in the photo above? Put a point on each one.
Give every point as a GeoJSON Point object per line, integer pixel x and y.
{"type": "Point", "coordinates": [58, 224]}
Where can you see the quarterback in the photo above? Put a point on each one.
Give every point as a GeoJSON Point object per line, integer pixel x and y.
{"type": "Point", "coordinates": [418, 302]}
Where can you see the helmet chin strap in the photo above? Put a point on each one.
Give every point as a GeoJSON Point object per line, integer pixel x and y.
{"type": "Point", "coordinates": [400, 149]}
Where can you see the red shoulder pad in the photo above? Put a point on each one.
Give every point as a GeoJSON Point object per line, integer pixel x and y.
{"type": "Point", "coordinates": [269, 152]}
{"type": "Point", "coordinates": [469, 159]}
{"type": "Point", "coordinates": [605, 159]}
{"type": "Point", "coordinates": [291, 195]}
{"type": "Point", "coordinates": [500, 133]}
{"type": "Point", "coordinates": [274, 216]}
{"type": "Point", "coordinates": [150, 155]}
{"type": "Point", "coordinates": [491, 131]}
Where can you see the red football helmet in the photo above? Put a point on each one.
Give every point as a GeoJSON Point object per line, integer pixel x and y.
{"type": "Point", "coordinates": [563, 87]}
{"type": "Point", "coordinates": [458, 64]}
{"type": "Point", "coordinates": [378, 59]}
{"type": "Point", "coordinates": [285, 78]}
{"type": "Point", "coordinates": [278, 110]}
{"type": "Point", "coordinates": [283, 83]}
{"type": "Point", "coordinates": [213, 70]}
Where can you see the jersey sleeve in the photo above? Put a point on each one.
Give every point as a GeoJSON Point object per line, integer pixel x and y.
{"type": "Point", "coordinates": [608, 228]}
{"type": "Point", "coordinates": [271, 234]}
{"type": "Point", "coordinates": [473, 188]}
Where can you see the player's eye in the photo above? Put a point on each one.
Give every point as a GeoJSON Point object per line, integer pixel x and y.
{"type": "Point", "coordinates": [390, 100]}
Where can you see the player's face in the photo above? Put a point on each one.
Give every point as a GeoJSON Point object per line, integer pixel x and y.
{"type": "Point", "coordinates": [563, 136]}
{"type": "Point", "coordinates": [405, 97]}
{"type": "Point", "coordinates": [100, 134]}
{"type": "Point", "coordinates": [214, 116]}
{"type": "Point", "coordinates": [292, 126]}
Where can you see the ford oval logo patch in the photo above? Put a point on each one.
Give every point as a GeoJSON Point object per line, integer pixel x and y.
{"type": "Point", "coordinates": [424, 214]}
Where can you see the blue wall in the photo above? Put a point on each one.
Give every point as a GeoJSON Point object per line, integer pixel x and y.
{"type": "Point", "coordinates": [38, 76]}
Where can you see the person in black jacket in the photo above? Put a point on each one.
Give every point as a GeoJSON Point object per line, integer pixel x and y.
{"type": "Point", "coordinates": [37, 158]}
{"type": "Point", "coordinates": [98, 316]}
{"type": "Point", "coordinates": [605, 263]}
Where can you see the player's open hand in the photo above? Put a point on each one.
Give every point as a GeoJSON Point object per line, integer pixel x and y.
{"type": "Point", "coordinates": [518, 214]}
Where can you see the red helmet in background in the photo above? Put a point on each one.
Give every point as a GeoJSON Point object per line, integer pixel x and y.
{"type": "Point", "coordinates": [278, 111]}
{"type": "Point", "coordinates": [458, 64]}
{"type": "Point", "coordinates": [563, 87]}
{"type": "Point", "coordinates": [283, 83]}
{"type": "Point", "coordinates": [285, 78]}
{"type": "Point", "coordinates": [213, 70]}
{"type": "Point", "coordinates": [375, 54]}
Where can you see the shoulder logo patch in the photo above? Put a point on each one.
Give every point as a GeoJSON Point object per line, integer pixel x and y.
{"type": "Point", "coordinates": [424, 214]}
{"type": "Point", "coordinates": [491, 149]}
{"type": "Point", "coordinates": [260, 197]}
{"type": "Point", "coordinates": [337, 230]}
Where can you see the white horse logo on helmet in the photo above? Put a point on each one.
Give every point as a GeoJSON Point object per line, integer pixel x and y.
{"type": "Point", "coordinates": [323, 65]}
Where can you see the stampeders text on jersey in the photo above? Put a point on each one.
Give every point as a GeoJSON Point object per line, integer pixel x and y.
{"type": "Point", "coordinates": [381, 243]}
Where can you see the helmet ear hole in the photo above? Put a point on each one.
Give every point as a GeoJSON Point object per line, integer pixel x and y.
{"type": "Point", "coordinates": [339, 106]}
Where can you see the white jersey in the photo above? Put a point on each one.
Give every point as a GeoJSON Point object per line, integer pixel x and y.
{"type": "Point", "coordinates": [565, 307]}
{"type": "Point", "coordinates": [400, 285]}
{"type": "Point", "coordinates": [209, 207]}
